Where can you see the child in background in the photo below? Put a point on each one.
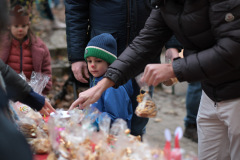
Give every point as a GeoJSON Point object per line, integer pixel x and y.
{"type": "Point", "coordinates": [100, 52]}
{"type": "Point", "coordinates": [23, 51]}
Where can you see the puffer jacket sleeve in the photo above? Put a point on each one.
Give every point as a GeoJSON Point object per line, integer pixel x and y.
{"type": "Point", "coordinates": [144, 48]}
{"type": "Point", "coordinates": [47, 69]}
{"type": "Point", "coordinates": [224, 55]}
{"type": "Point", "coordinates": [77, 15]}
{"type": "Point", "coordinates": [17, 88]}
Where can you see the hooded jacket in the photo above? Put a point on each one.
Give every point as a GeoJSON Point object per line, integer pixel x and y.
{"type": "Point", "coordinates": [116, 102]}
{"type": "Point", "coordinates": [210, 33]}
{"type": "Point", "coordinates": [39, 61]}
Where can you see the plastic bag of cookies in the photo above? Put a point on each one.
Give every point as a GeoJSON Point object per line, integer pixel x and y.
{"type": "Point", "coordinates": [146, 106]}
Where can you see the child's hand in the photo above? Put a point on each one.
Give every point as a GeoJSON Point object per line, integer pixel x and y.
{"type": "Point", "coordinates": [91, 95]}
{"type": "Point", "coordinates": [47, 109]}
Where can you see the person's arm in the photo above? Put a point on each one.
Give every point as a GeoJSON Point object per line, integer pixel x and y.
{"type": "Point", "coordinates": [224, 55]}
{"type": "Point", "coordinates": [77, 16]}
{"type": "Point", "coordinates": [38, 102]}
{"type": "Point", "coordinates": [47, 69]}
{"type": "Point", "coordinates": [91, 95]}
{"type": "Point", "coordinates": [18, 90]}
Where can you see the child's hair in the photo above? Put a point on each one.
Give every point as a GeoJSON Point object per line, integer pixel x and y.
{"type": "Point", "coordinates": [103, 46]}
{"type": "Point", "coordinates": [21, 14]}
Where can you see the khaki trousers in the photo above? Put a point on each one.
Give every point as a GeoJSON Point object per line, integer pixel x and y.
{"type": "Point", "coordinates": [218, 129]}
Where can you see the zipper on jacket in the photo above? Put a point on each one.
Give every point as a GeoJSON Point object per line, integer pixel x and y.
{"type": "Point", "coordinates": [128, 22]}
{"type": "Point", "coordinates": [21, 58]}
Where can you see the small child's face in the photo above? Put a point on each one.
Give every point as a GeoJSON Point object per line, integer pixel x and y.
{"type": "Point", "coordinates": [19, 31]}
{"type": "Point", "coordinates": [97, 67]}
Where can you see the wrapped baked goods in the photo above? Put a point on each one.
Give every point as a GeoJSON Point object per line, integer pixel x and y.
{"type": "Point", "coordinates": [36, 116]}
{"type": "Point", "coordinates": [146, 106]}
{"type": "Point", "coordinates": [24, 111]}
{"type": "Point", "coordinates": [52, 156]}
{"type": "Point", "coordinates": [40, 145]}
{"type": "Point", "coordinates": [28, 127]}
{"type": "Point", "coordinates": [43, 125]}
{"type": "Point", "coordinates": [20, 108]}
{"type": "Point", "coordinates": [170, 82]}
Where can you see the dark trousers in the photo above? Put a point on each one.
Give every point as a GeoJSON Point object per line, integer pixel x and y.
{"type": "Point", "coordinates": [193, 97]}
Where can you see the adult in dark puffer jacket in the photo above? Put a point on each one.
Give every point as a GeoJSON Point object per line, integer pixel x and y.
{"type": "Point", "coordinates": [122, 19]}
{"type": "Point", "coordinates": [209, 30]}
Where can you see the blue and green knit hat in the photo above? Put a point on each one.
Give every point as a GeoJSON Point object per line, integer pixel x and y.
{"type": "Point", "coordinates": [103, 46]}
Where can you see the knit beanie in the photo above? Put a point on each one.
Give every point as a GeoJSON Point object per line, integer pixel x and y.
{"type": "Point", "coordinates": [103, 46]}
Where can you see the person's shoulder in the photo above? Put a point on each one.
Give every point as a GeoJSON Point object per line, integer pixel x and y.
{"type": "Point", "coordinates": [37, 41]}
{"type": "Point", "coordinates": [128, 87]}
{"type": "Point", "coordinates": [5, 46]}
{"type": "Point", "coordinates": [128, 84]}
{"type": "Point", "coordinates": [5, 38]}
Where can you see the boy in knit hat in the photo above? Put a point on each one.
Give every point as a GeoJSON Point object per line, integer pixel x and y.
{"type": "Point", "coordinates": [100, 52]}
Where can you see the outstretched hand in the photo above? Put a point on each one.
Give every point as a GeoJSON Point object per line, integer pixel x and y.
{"type": "Point", "coordinates": [47, 109]}
{"type": "Point", "coordinates": [91, 95]}
{"type": "Point", "coordinates": [86, 98]}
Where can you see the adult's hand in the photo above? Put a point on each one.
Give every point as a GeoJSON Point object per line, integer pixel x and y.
{"type": "Point", "coordinates": [91, 95]}
{"type": "Point", "coordinates": [80, 71]}
{"type": "Point", "coordinates": [47, 109]}
{"type": "Point", "coordinates": [157, 73]}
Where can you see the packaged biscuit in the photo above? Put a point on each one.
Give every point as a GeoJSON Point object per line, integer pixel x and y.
{"type": "Point", "coordinates": [146, 106]}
